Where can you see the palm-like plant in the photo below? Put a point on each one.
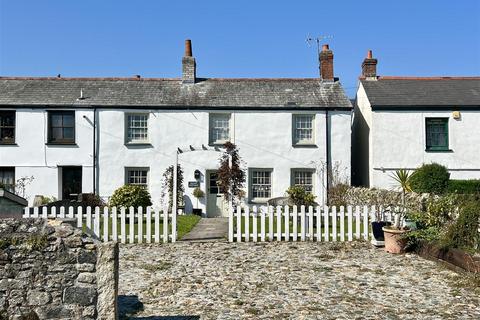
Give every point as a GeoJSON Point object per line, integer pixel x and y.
{"type": "Point", "coordinates": [403, 178]}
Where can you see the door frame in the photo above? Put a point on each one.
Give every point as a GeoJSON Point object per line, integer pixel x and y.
{"type": "Point", "coordinates": [207, 184]}
{"type": "Point", "coordinates": [62, 180]}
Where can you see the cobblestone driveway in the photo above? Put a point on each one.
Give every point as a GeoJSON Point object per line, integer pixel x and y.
{"type": "Point", "coordinates": [289, 281]}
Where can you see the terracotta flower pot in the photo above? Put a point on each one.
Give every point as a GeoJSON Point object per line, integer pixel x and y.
{"type": "Point", "coordinates": [394, 242]}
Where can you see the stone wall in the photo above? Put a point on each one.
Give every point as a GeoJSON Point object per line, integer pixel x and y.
{"type": "Point", "coordinates": [51, 270]}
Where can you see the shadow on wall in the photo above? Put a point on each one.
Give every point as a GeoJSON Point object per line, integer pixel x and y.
{"type": "Point", "coordinates": [128, 306]}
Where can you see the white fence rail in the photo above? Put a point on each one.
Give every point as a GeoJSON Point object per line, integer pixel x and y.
{"type": "Point", "coordinates": [127, 225]}
{"type": "Point", "coordinates": [287, 223]}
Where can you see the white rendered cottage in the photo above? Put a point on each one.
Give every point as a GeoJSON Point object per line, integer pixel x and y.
{"type": "Point", "coordinates": [404, 122]}
{"type": "Point", "coordinates": [78, 135]}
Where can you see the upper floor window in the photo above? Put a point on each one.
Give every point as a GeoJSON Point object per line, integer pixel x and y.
{"type": "Point", "coordinates": [7, 127]}
{"type": "Point", "coordinates": [260, 184]}
{"type": "Point", "coordinates": [7, 178]}
{"type": "Point", "coordinates": [219, 131]}
{"type": "Point", "coordinates": [137, 176]}
{"type": "Point", "coordinates": [137, 128]}
{"type": "Point", "coordinates": [303, 125]}
{"type": "Point", "coordinates": [303, 178]}
{"type": "Point", "coordinates": [436, 134]}
{"type": "Point", "coordinates": [61, 127]}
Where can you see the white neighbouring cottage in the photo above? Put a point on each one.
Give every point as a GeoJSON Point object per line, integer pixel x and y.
{"type": "Point", "coordinates": [83, 135]}
{"type": "Point", "coordinates": [404, 122]}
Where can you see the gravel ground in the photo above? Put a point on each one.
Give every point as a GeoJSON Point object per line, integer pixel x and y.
{"type": "Point", "coordinates": [302, 280]}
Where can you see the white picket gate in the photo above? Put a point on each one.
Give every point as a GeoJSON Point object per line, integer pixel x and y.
{"type": "Point", "coordinates": [127, 225]}
{"type": "Point", "coordinates": [290, 223]}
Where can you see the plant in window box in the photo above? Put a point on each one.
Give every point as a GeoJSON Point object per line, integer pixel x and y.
{"type": "Point", "coordinates": [395, 240]}
{"type": "Point", "coordinates": [198, 193]}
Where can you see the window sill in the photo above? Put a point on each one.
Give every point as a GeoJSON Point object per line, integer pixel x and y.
{"type": "Point", "coordinates": [439, 151]}
{"type": "Point", "coordinates": [60, 144]}
{"type": "Point", "coordinates": [218, 144]}
{"type": "Point", "coordinates": [258, 201]}
{"type": "Point", "coordinates": [8, 144]}
{"type": "Point", "coordinates": [138, 145]}
{"type": "Point", "coordinates": [304, 145]}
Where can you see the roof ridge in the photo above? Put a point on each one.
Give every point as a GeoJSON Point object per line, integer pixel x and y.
{"type": "Point", "coordinates": [151, 79]}
{"type": "Point", "coordinates": [425, 78]}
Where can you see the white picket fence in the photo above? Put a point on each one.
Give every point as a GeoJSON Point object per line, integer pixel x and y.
{"type": "Point", "coordinates": [286, 223]}
{"type": "Point", "coordinates": [127, 225]}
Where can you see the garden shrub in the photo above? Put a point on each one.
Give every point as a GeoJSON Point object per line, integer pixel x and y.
{"type": "Point", "coordinates": [463, 233]}
{"type": "Point", "coordinates": [299, 196]}
{"type": "Point", "coordinates": [130, 196]}
{"type": "Point", "coordinates": [464, 186]}
{"type": "Point", "coordinates": [337, 195]}
{"type": "Point", "coordinates": [430, 178]}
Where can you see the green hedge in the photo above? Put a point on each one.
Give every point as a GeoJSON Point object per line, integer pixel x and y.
{"type": "Point", "coordinates": [430, 178]}
{"type": "Point", "coordinates": [464, 186]}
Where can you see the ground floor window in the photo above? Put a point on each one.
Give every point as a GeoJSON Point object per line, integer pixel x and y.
{"type": "Point", "coordinates": [436, 134]}
{"type": "Point", "coordinates": [137, 176]}
{"type": "Point", "coordinates": [260, 184]}
{"type": "Point", "coordinates": [7, 178]}
{"type": "Point", "coordinates": [303, 178]}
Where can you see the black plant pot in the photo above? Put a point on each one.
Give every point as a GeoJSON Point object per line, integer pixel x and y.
{"type": "Point", "coordinates": [377, 229]}
{"type": "Point", "coordinates": [197, 212]}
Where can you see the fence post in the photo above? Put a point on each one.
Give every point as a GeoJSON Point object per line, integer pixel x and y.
{"type": "Point", "coordinates": [365, 223]}
{"type": "Point", "coordinates": [62, 212]}
{"type": "Point", "coordinates": [357, 222]}
{"type": "Point", "coordinates": [326, 217]}
{"type": "Point", "coordinates": [123, 231]}
{"type": "Point", "coordinates": [70, 212]}
{"type": "Point", "coordinates": [287, 223]}
{"type": "Point", "coordinates": [105, 224]}
{"type": "Point", "coordinates": [140, 224]}
{"type": "Point", "coordinates": [334, 223]}
{"type": "Point", "coordinates": [310, 223]}
{"type": "Point", "coordinates": [262, 224]}
{"type": "Point", "coordinates": [174, 224]}
{"type": "Point", "coordinates": [35, 212]}
{"type": "Point", "coordinates": [349, 222]}
{"type": "Point", "coordinates": [302, 222]}
{"type": "Point", "coordinates": [165, 224]}
{"type": "Point", "coordinates": [279, 223]}
{"type": "Point", "coordinates": [149, 225]}
{"type": "Point", "coordinates": [26, 212]}
{"type": "Point", "coordinates": [319, 223]}
{"type": "Point", "coordinates": [131, 233]}
{"type": "Point", "coordinates": [239, 224]}
{"type": "Point", "coordinates": [114, 224]}
{"type": "Point", "coordinates": [295, 223]}
{"type": "Point", "coordinates": [270, 223]}
{"type": "Point", "coordinates": [44, 213]}
{"type": "Point", "coordinates": [255, 223]}
{"type": "Point", "coordinates": [342, 223]}
{"type": "Point", "coordinates": [230, 224]}
{"type": "Point", "coordinates": [79, 217]}
{"type": "Point", "coordinates": [247, 223]}
{"type": "Point", "coordinates": [96, 222]}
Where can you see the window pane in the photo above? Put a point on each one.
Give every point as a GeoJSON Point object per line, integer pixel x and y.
{"type": "Point", "coordinates": [68, 120]}
{"type": "Point", "coordinates": [56, 120]}
{"type": "Point", "coordinates": [7, 178]}
{"type": "Point", "coordinates": [68, 133]}
{"type": "Point", "coordinates": [7, 119]}
{"type": "Point", "coordinates": [303, 128]}
{"type": "Point", "coordinates": [137, 127]}
{"type": "Point", "coordinates": [261, 184]}
{"type": "Point", "coordinates": [303, 179]}
{"type": "Point", "coordinates": [137, 176]}
{"type": "Point", "coordinates": [7, 134]}
{"type": "Point", "coordinates": [57, 133]}
{"type": "Point", "coordinates": [219, 128]}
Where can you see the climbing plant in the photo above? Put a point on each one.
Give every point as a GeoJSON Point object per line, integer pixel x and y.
{"type": "Point", "coordinates": [231, 179]}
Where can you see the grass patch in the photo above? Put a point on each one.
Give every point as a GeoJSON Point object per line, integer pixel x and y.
{"type": "Point", "coordinates": [185, 224]}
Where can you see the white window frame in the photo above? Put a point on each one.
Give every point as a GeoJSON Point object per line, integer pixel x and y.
{"type": "Point", "coordinates": [295, 139]}
{"type": "Point", "coordinates": [212, 117]}
{"type": "Point", "coordinates": [293, 181]}
{"type": "Point", "coordinates": [130, 169]}
{"type": "Point", "coordinates": [128, 138]}
{"type": "Point", "coordinates": [251, 172]}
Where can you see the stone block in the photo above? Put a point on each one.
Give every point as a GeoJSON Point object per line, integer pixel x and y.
{"type": "Point", "coordinates": [38, 298]}
{"type": "Point", "coordinates": [83, 296]}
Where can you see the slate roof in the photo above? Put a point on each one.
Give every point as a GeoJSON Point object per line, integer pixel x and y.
{"type": "Point", "coordinates": [427, 92]}
{"type": "Point", "coordinates": [171, 93]}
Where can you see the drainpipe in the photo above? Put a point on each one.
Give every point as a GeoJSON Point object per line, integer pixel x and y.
{"type": "Point", "coordinates": [327, 154]}
{"type": "Point", "coordinates": [94, 150]}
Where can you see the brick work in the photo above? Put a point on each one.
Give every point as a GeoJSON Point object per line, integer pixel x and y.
{"type": "Point", "coordinates": [326, 64]}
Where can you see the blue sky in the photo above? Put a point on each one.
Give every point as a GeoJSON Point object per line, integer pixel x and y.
{"type": "Point", "coordinates": [237, 38]}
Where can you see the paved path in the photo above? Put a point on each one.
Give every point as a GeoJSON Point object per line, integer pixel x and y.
{"type": "Point", "coordinates": [208, 229]}
{"type": "Point", "coordinates": [220, 280]}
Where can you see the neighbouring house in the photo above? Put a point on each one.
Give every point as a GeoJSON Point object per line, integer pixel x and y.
{"type": "Point", "coordinates": [404, 122]}
{"type": "Point", "coordinates": [79, 135]}
{"type": "Point", "coordinates": [11, 205]}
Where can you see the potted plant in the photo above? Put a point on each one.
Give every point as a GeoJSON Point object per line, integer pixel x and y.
{"type": "Point", "coordinates": [198, 193]}
{"type": "Point", "coordinates": [377, 230]}
{"type": "Point", "coordinates": [394, 235]}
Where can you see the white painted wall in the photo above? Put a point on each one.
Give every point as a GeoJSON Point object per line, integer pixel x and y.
{"type": "Point", "coordinates": [264, 140]}
{"type": "Point", "coordinates": [399, 142]}
{"type": "Point", "coordinates": [390, 140]}
{"type": "Point", "coordinates": [32, 157]}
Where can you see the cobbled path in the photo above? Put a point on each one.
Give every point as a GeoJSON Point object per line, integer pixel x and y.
{"type": "Point", "coordinates": [219, 280]}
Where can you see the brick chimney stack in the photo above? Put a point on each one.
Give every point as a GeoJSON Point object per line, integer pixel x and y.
{"type": "Point", "coordinates": [326, 63]}
{"type": "Point", "coordinates": [369, 67]}
{"type": "Point", "coordinates": [188, 64]}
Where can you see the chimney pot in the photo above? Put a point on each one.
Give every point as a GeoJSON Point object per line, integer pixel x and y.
{"type": "Point", "coordinates": [369, 67]}
{"type": "Point", "coordinates": [188, 48]}
{"type": "Point", "coordinates": [189, 65]}
{"type": "Point", "coordinates": [326, 64]}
